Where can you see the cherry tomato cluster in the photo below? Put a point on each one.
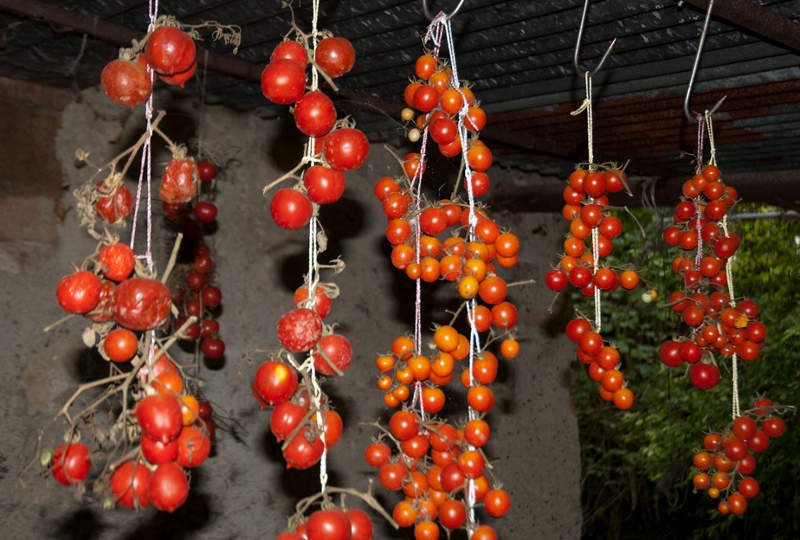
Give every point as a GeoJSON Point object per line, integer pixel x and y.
{"type": "Point", "coordinates": [337, 148]}
{"type": "Point", "coordinates": [176, 429]}
{"type": "Point", "coordinates": [603, 361]}
{"type": "Point", "coordinates": [727, 458]}
{"type": "Point", "coordinates": [439, 99]}
{"type": "Point", "coordinates": [432, 467]}
{"type": "Point", "coordinates": [200, 298]}
{"type": "Point", "coordinates": [334, 524]}
{"type": "Point", "coordinates": [294, 418]}
{"type": "Point", "coordinates": [717, 324]}
{"type": "Point", "coordinates": [586, 202]}
{"type": "Point", "coordinates": [585, 209]}
{"type": "Point", "coordinates": [169, 52]}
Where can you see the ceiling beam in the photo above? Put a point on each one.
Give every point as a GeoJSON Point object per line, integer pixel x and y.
{"type": "Point", "coordinates": [762, 21]}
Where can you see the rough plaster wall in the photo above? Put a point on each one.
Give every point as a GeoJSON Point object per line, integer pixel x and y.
{"type": "Point", "coordinates": [244, 491]}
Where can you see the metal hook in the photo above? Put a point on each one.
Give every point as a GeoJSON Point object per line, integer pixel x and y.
{"type": "Point", "coordinates": [694, 70]}
{"type": "Point", "coordinates": [575, 57]}
{"type": "Point", "coordinates": [428, 13]}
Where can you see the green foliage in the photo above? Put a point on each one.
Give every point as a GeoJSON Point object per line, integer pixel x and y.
{"type": "Point", "coordinates": [636, 463]}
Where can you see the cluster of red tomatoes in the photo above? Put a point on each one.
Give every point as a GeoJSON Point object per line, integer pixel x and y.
{"type": "Point", "coordinates": [439, 98]}
{"type": "Point", "coordinates": [603, 361]}
{"type": "Point", "coordinates": [585, 207]}
{"type": "Point", "coordinates": [717, 323]}
{"type": "Point", "coordinates": [586, 202]}
{"type": "Point", "coordinates": [337, 149]}
{"type": "Point", "coordinates": [332, 524]}
{"type": "Point", "coordinates": [432, 467]}
{"type": "Point", "coordinates": [169, 52]}
{"type": "Point", "coordinates": [175, 428]}
{"type": "Point", "coordinates": [723, 466]}
{"type": "Point", "coordinates": [176, 433]}
{"type": "Point", "coordinates": [294, 418]}
{"type": "Point", "coordinates": [202, 298]}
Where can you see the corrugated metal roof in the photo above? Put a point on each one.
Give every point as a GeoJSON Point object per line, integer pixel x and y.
{"type": "Point", "coordinates": [518, 57]}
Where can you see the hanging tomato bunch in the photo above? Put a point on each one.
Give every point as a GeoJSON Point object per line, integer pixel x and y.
{"type": "Point", "coordinates": [334, 147]}
{"type": "Point", "coordinates": [724, 465]}
{"type": "Point", "coordinates": [168, 51]}
{"type": "Point", "coordinates": [717, 324]}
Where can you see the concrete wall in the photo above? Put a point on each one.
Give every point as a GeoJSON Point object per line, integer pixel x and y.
{"type": "Point", "coordinates": [244, 491]}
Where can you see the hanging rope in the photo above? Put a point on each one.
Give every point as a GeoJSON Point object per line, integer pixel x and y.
{"type": "Point", "coordinates": [735, 410]}
{"type": "Point", "coordinates": [701, 124]}
{"type": "Point", "coordinates": [587, 106]}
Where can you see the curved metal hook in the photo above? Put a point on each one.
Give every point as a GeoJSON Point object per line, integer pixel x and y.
{"type": "Point", "coordinates": [688, 96]}
{"type": "Point", "coordinates": [450, 16]}
{"type": "Point", "coordinates": [576, 56]}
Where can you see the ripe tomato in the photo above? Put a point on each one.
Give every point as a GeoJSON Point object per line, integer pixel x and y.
{"type": "Point", "coordinates": [78, 292]}
{"type": "Point", "coordinates": [704, 376]}
{"type": "Point", "coordinates": [205, 212]}
{"type": "Point", "coordinates": [443, 130]}
{"type": "Point", "coordinates": [126, 82]}
{"type": "Point", "coordinates": [118, 261]}
{"type": "Point", "coordinates": [299, 329]}
{"type": "Point", "coordinates": [290, 50]}
{"type": "Point", "coordinates": [120, 345]}
{"type": "Point", "coordinates": [129, 485]}
{"type": "Point", "coordinates": [193, 447]}
{"type": "Point", "coordinates": [324, 185]}
{"type": "Point", "coordinates": [479, 157]}
{"type": "Point", "coordinates": [504, 315]}
{"type": "Point", "coordinates": [346, 149]}
{"type": "Point", "coordinates": [335, 56]}
{"type": "Point", "coordinates": [404, 425]}
{"type": "Point", "coordinates": [169, 50]}
{"type": "Point", "coordinates": [433, 400]}
{"type": "Point", "coordinates": [168, 487]}
{"type": "Point", "coordinates": [283, 81]}
{"type": "Point", "coordinates": [275, 382]}
{"type": "Point", "coordinates": [452, 514]}
{"type": "Point", "coordinates": [178, 181]}
{"type": "Point", "coordinates": [285, 418]}
{"type": "Point", "coordinates": [384, 187]}
{"type": "Point", "coordinates": [391, 475]}
{"type": "Point", "coordinates": [377, 454]}
{"type": "Point", "coordinates": [433, 220]}
{"type": "Point", "coordinates": [748, 487]}
{"type": "Point", "coordinates": [773, 426]}
{"type": "Point", "coordinates": [416, 446]}
{"type": "Point", "coordinates": [480, 398]}
{"type": "Point", "coordinates": [335, 349]}
{"type": "Point", "coordinates": [140, 304]}
{"type": "Point", "coordinates": [497, 502]}
{"type": "Point", "coordinates": [290, 209]}
{"type": "Point", "coordinates": [156, 452]}
{"type": "Point", "coordinates": [314, 114]}
{"type": "Point", "coordinates": [70, 463]}
{"type": "Point", "coordinates": [206, 170]}
{"type": "Point", "coordinates": [178, 79]}
{"type": "Point", "coordinates": [360, 524]}
{"type": "Point", "coordinates": [113, 205]}
{"type": "Point", "coordinates": [426, 98]}
{"type": "Point", "coordinates": [160, 417]}
{"type": "Point", "coordinates": [322, 302]}
{"type": "Point", "coordinates": [303, 450]}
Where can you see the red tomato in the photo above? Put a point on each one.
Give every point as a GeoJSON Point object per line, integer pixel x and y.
{"type": "Point", "coordinates": [160, 417]}
{"type": "Point", "coordinates": [102, 311]}
{"type": "Point", "coordinates": [452, 514]}
{"type": "Point", "coordinates": [443, 130]}
{"type": "Point", "coordinates": [328, 525]}
{"type": "Point", "coordinates": [118, 260]}
{"type": "Point", "coordinates": [120, 345]}
{"type": "Point", "coordinates": [704, 376]}
{"type": "Point", "coordinates": [129, 485]}
{"type": "Point", "coordinates": [479, 182]}
{"type": "Point", "coordinates": [193, 447]}
{"type": "Point", "coordinates": [283, 81]}
{"type": "Point", "coordinates": [360, 525]}
{"type": "Point", "coordinates": [303, 450]}
{"type": "Point", "coordinates": [169, 50]}
{"type": "Point", "coordinates": [504, 315]}
{"type": "Point", "coordinates": [333, 428]}
{"type": "Point", "coordinates": [211, 296]}
{"type": "Point", "coordinates": [299, 329]}
{"type": "Point", "coordinates": [404, 425]}
{"type": "Point", "coordinates": [497, 502]}
{"type": "Point", "coordinates": [322, 302]}
{"type": "Point", "coordinates": [314, 114]}
{"type": "Point", "coordinates": [206, 170]}
{"type": "Point", "coordinates": [337, 350]}
{"type": "Point", "coordinates": [205, 212]}
{"type": "Point", "coordinates": [377, 454]}
{"type": "Point", "coordinates": [70, 464]}
{"type": "Point", "coordinates": [335, 56]}
{"type": "Point", "coordinates": [178, 79]}
{"type": "Point", "coordinates": [433, 221]}
{"type": "Point", "coordinates": [157, 452]}
{"type": "Point", "coordinates": [290, 50]}
{"type": "Point", "coordinates": [178, 181]}
{"type": "Point", "coordinates": [275, 382]}
{"type": "Point", "coordinates": [212, 347]}
{"type": "Point", "coordinates": [290, 209]}
{"type": "Point", "coordinates": [168, 487]}
{"type": "Point", "coordinates": [126, 83]}
{"type": "Point", "coordinates": [324, 185]}
{"type": "Point", "coordinates": [113, 205]}
{"type": "Point", "coordinates": [346, 149]}
{"type": "Point", "coordinates": [426, 98]}
{"type": "Point", "coordinates": [140, 303]}
{"type": "Point", "coordinates": [285, 418]}
{"type": "Point", "coordinates": [78, 292]}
